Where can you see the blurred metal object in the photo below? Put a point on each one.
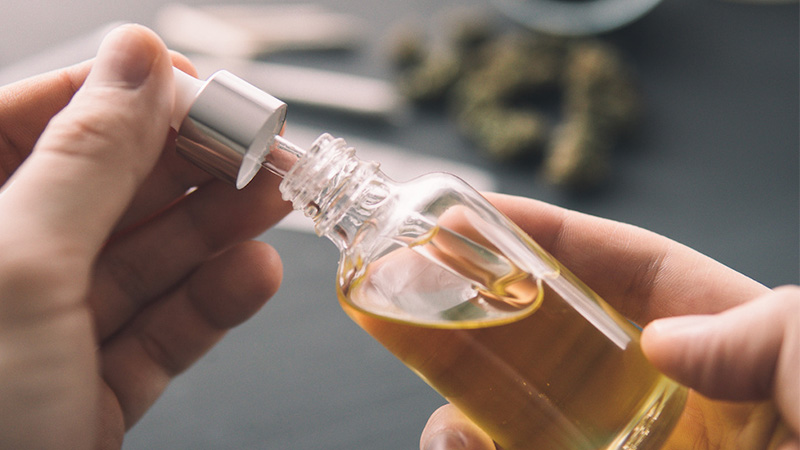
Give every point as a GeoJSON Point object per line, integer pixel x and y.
{"type": "Point", "coordinates": [247, 31]}
{"type": "Point", "coordinates": [358, 96]}
{"type": "Point", "coordinates": [574, 17]}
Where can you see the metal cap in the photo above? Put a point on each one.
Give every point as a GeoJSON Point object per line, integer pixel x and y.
{"type": "Point", "coordinates": [229, 128]}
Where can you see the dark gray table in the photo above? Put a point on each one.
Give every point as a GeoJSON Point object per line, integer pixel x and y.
{"type": "Point", "coordinates": [715, 167]}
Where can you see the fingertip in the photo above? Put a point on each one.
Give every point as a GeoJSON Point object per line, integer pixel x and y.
{"type": "Point", "coordinates": [266, 267]}
{"type": "Point", "coordinates": [181, 62]}
{"type": "Point", "coordinates": [448, 428]}
{"type": "Point", "coordinates": [667, 342]}
{"type": "Point", "coordinates": [732, 355]}
{"type": "Point", "coordinates": [127, 56]}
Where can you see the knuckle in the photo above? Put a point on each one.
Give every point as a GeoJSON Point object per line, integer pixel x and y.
{"type": "Point", "coordinates": [79, 136]}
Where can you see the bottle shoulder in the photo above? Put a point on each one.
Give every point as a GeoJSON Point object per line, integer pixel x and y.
{"type": "Point", "coordinates": [414, 208]}
{"type": "Point", "coordinates": [435, 192]}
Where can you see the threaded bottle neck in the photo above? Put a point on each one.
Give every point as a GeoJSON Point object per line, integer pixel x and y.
{"type": "Point", "coordinates": [335, 189]}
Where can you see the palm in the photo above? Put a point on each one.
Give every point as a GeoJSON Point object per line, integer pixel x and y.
{"type": "Point", "coordinates": [708, 424]}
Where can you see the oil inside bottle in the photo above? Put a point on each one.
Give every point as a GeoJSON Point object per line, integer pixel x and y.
{"type": "Point", "coordinates": [499, 285]}
{"type": "Point", "coordinates": [511, 350]}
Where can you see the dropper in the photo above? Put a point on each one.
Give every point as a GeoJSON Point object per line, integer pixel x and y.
{"type": "Point", "coordinates": [231, 128]}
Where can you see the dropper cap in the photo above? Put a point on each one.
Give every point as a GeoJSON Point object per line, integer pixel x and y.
{"type": "Point", "coordinates": [225, 125]}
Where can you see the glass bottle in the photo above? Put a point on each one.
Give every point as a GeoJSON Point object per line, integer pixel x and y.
{"type": "Point", "coordinates": [452, 287]}
{"type": "Point", "coordinates": [476, 308]}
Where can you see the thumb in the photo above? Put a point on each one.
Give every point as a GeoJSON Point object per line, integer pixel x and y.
{"type": "Point", "coordinates": [449, 429]}
{"type": "Point", "coordinates": [94, 154]}
{"type": "Point", "coordinates": [750, 352]}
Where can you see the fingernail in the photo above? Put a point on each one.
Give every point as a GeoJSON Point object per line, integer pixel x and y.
{"type": "Point", "coordinates": [126, 55]}
{"type": "Point", "coordinates": [446, 440]}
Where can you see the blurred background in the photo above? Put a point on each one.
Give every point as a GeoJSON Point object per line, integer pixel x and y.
{"type": "Point", "coordinates": [712, 162]}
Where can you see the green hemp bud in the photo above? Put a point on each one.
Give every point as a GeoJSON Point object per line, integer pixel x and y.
{"type": "Point", "coordinates": [600, 104]}
{"type": "Point", "coordinates": [406, 46]}
{"type": "Point", "coordinates": [431, 80]}
{"type": "Point", "coordinates": [507, 91]}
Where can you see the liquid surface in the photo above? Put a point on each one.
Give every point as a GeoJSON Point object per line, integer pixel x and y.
{"type": "Point", "coordinates": [548, 378]}
{"type": "Point", "coordinates": [499, 284]}
{"type": "Point", "coordinates": [444, 279]}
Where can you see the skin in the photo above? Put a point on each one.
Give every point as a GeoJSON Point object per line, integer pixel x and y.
{"type": "Point", "coordinates": [112, 279]}
{"type": "Point", "coordinates": [733, 341]}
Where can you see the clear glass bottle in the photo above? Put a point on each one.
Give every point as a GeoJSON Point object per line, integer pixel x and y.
{"type": "Point", "coordinates": [448, 284]}
{"type": "Point", "coordinates": [477, 309]}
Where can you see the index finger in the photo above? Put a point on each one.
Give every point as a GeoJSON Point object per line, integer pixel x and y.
{"type": "Point", "coordinates": [27, 107]}
{"type": "Point", "coordinates": [642, 274]}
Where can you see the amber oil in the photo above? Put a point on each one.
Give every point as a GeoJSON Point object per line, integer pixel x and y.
{"type": "Point", "coordinates": [547, 379]}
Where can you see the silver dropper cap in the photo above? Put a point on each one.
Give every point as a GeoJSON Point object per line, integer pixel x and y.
{"type": "Point", "coordinates": [230, 128]}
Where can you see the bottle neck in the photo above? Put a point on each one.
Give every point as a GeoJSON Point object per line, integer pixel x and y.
{"type": "Point", "coordinates": [335, 189]}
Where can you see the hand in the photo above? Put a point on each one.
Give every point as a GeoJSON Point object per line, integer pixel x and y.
{"type": "Point", "coordinates": [739, 350]}
{"type": "Point", "coordinates": [112, 279]}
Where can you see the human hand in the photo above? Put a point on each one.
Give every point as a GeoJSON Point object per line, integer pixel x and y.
{"type": "Point", "coordinates": [112, 279]}
{"type": "Point", "coordinates": [737, 344]}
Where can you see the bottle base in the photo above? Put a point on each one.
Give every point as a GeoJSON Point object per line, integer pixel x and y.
{"type": "Point", "coordinates": [656, 420]}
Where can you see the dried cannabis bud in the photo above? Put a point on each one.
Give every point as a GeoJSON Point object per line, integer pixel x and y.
{"type": "Point", "coordinates": [578, 156]}
{"type": "Point", "coordinates": [489, 101]}
{"type": "Point", "coordinates": [431, 80]}
{"type": "Point", "coordinates": [469, 29]}
{"type": "Point", "coordinates": [407, 47]}
{"type": "Point", "coordinates": [600, 103]}
{"type": "Point", "coordinates": [597, 82]}
{"type": "Point", "coordinates": [494, 85]}
{"type": "Point", "coordinates": [505, 134]}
